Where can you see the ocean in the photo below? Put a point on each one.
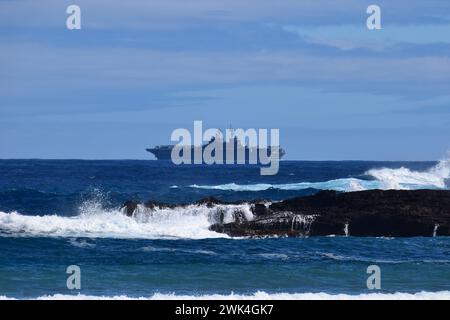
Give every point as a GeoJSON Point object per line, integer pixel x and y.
{"type": "Point", "coordinates": [58, 213]}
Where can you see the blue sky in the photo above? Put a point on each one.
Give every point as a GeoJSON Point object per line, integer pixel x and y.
{"type": "Point", "coordinates": [138, 70]}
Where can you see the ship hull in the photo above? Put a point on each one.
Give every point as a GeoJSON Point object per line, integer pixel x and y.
{"type": "Point", "coordinates": [250, 155]}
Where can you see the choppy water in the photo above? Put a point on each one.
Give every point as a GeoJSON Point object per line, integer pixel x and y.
{"type": "Point", "coordinates": [59, 213]}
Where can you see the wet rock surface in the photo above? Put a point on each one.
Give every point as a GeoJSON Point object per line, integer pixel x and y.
{"type": "Point", "coordinates": [387, 213]}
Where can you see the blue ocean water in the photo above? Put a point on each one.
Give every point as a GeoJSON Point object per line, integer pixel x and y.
{"type": "Point", "coordinates": [56, 213]}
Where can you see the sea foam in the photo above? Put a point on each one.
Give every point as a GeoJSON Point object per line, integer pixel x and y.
{"type": "Point", "coordinates": [191, 222]}
{"type": "Point", "coordinates": [382, 178]}
{"type": "Point", "coordinates": [260, 295]}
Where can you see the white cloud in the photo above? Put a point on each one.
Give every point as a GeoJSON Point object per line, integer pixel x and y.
{"type": "Point", "coordinates": [348, 37]}
{"type": "Point", "coordinates": [37, 69]}
{"type": "Point", "coordinates": [163, 14]}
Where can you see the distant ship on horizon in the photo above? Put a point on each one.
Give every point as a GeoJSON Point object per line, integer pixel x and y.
{"type": "Point", "coordinates": [164, 152]}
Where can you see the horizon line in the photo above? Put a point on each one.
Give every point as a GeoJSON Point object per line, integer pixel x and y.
{"type": "Point", "coordinates": [165, 161]}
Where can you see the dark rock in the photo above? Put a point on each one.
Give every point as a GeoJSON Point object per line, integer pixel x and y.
{"type": "Point", "coordinates": [277, 224]}
{"type": "Point", "coordinates": [259, 209]}
{"type": "Point", "coordinates": [392, 213]}
{"type": "Point", "coordinates": [152, 205]}
{"type": "Point", "coordinates": [209, 202]}
{"type": "Point", "coordinates": [130, 207]}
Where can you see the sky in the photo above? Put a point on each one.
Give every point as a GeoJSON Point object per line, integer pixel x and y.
{"type": "Point", "coordinates": [137, 70]}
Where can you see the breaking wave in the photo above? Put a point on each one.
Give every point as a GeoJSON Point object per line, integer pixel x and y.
{"type": "Point", "coordinates": [384, 178]}
{"type": "Point", "coordinates": [94, 221]}
{"type": "Point", "coordinates": [403, 178]}
{"type": "Point", "coordinates": [261, 295]}
{"type": "Point", "coordinates": [350, 184]}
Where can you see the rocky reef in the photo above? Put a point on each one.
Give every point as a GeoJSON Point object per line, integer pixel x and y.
{"type": "Point", "coordinates": [378, 213]}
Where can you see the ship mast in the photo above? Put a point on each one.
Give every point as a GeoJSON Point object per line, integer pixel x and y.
{"type": "Point", "coordinates": [231, 130]}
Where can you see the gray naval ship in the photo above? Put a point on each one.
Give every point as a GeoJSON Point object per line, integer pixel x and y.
{"type": "Point", "coordinates": [164, 152]}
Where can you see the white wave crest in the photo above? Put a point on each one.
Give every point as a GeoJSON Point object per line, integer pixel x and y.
{"type": "Point", "coordinates": [384, 178]}
{"type": "Point", "coordinates": [346, 185]}
{"type": "Point", "coordinates": [94, 221]}
{"type": "Point", "coordinates": [404, 178]}
{"type": "Point", "coordinates": [153, 249]}
{"type": "Point", "coordinates": [260, 295]}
